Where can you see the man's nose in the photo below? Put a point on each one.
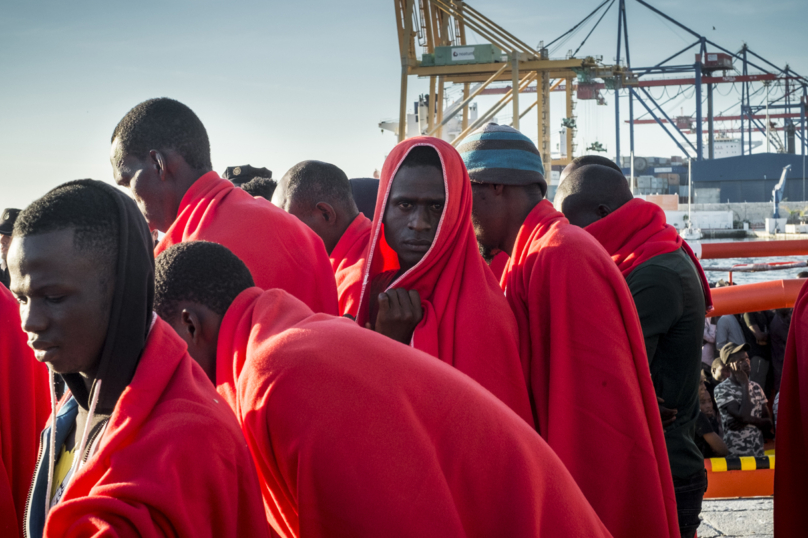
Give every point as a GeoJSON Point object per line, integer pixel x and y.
{"type": "Point", "coordinates": [33, 318]}
{"type": "Point", "coordinates": [420, 221]}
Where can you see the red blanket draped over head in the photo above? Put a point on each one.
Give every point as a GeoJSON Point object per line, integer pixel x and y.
{"type": "Point", "coordinates": [638, 231]}
{"type": "Point", "coordinates": [356, 435]}
{"type": "Point", "coordinates": [24, 409]}
{"type": "Point", "coordinates": [467, 322]}
{"type": "Point", "coordinates": [584, 357]}
{"type": "Point", "coordinates": [172, 461]}
{"type": "Point", "coordinates": [347, 260]}
{"type": "Point", "coordinates": [278, 249]}
{"type": "Point", "coordinates": [791, 472]}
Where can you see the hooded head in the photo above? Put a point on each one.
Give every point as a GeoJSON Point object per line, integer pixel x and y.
{"type": "Point", "coordinates": [82, 267]}
{"type": "Point", "coordinates": [422, 224]}
{"type": "Point", "coordinates": [195, 283]}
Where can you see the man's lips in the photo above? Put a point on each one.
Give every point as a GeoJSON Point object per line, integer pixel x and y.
{"type": "Point", "coordinates": [418, 245]}
{"type": "Point", "coordinates": [42, 350]}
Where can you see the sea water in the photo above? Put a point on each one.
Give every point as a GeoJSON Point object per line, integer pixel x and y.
{"type": "Point", "coordinates": [748, 278]}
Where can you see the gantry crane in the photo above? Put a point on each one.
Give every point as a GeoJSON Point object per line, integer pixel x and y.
{"type": "Point", "coordinates": [439, 29]}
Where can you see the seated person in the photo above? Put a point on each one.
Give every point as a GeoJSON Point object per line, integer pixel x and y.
{"type": "Point", "coordinates": [356, 435]}
{"type": "Point", "coordinates": [742, 404]}
{"type": "Point", "coordinates": [755, 326]}
{"type": "Point", "coordinates": [708, 428]}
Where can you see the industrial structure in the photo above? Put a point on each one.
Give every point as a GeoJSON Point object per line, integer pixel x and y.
{"type": "Point", "coordinates": [433, 43]}
{"type": "Point", "coordinates": [438, 30]}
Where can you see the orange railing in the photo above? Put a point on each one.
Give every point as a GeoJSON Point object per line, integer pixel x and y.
{"type": "Point", "coordinates": [754, 249]}
{"type": "Point", "coordinates": [755, 297]}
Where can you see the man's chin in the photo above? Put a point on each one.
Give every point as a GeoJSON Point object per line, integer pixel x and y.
{"type": "Point", "coordinates": [488, 253]}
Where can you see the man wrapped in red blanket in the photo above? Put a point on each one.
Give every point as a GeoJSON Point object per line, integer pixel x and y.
{"type": "Point", "coordinates": [161, 154]}
{"type": "Point", "coordinates": [354, 434]}
{"type": "Point", "coordinates": [671, 294]}
{"type": "Point", "coordinates": [581, 343]}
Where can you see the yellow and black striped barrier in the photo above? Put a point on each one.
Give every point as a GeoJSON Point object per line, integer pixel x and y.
{"type": "Point", "coordinates": [739, 477]}
{"type": "Point", "coordinates": [720, 465]}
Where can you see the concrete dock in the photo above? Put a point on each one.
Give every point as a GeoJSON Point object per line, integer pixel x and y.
{"type": "Point", "coordinates": [748, 518]}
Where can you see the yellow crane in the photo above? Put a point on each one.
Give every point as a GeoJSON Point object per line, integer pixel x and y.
{"type": "Point", "coordinates": [439, 29]}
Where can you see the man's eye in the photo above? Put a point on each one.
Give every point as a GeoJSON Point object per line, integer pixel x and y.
{"type": "Point", "coordinates": [437, 207]}
{"type": "Point", "coordinates": [404, 205]}
{"type": "Point", "coordinates": [21, 300]}
{"type": "Point", "coordinates": [55, 299]}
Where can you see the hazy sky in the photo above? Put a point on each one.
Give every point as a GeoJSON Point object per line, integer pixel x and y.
{"type": "Point", "coordinates": [279, 82]}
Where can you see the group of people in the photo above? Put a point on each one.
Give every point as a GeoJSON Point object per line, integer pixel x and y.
{"type": "Point", "coordinates": [460, 357]}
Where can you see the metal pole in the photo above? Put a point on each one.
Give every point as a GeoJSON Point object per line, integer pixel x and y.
{"type": "Point", "coordinates": [402, 111]}
{"type": "Point", "coordinates": [430, 116]}
{"type": "Point", "coordinates": [441, 84]}
{"type": "Point", "coordinates": [632, 169]}
{"type": "Point", "coordinates": [699, 132]}
{"type": "Point", "coordinates": [710, 125]}
{"type": "Point", "coordinates": [689, 191]}
{"type": "Point", "coordinates": [570, 131]}
{"type": "Point", "coordinates": [616, 90]}
{"type": "Point", "coordinates": [465, 107]}
{"type": "Point", "coordinates": [631, 124]}
{"type": "Point", "coordinates": [515, 84]}
{"type": "Point", "coordinates": [768, 145]}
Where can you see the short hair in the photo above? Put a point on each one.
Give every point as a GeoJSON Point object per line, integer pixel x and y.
{"type": "Point", "coordinates": [802, 274]}
{"type": "Point", "coordinates": [90, 211]}
{"type": "Point", "coordinates": [310, 182]}
{"type": "Point", "coordinates": [260, 186]}
{"type": "Point", "coordinates": [585, 160]}
{"type": "Point", "coordinates": [200, 272]}
{"type": "Point", "coordinates": [164, 124]}
{"type": "Point", "coordinates": [422, 156]}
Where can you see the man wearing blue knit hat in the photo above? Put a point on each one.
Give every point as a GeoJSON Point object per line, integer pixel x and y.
{"type": "Point", "coordinates": [575, 314]}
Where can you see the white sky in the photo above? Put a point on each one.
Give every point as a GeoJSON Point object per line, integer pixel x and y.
{"type": "Point", "coordinates": [279, 82]}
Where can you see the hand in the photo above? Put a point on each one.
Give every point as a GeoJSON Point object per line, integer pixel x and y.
{"type": "Point", "coordinates": [735, 424]}
{"type": "Point", "coordinates": [740, 374]}
{"type": "Point", "coordinates": [668, 415]}
{"type": "Point", "coordinates": [400, 312]}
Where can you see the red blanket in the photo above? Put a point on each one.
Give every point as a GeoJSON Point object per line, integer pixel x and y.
{"type": "Point", "coordinates": [24, 409]}
{"type": "Point", "coordinates": [467, 322]}
{"type": "Point", "coordinates": [791, 471]}
{"type": "Point", "coordinates": [347, 260]}
{"type": "Point", "coordinates": [584, 355]}
{"type": "Point", "coordinates": [637, 232]}
{"type": "Point", "coordinates": [279, 250]}
{"type": "Point", "coordinates": [356, 435]}
{"type": "Point", "coordinates": [172, 461]}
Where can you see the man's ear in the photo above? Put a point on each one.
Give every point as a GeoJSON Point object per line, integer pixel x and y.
{"type": "Point", "coordinates": [326, 211]}
{"type": "Point", "coordinates": [191, 326]}
{"type": "Point", "coordinates": [603, 211]}
{"type": "Point", "coordinates": [498, 189]}
{"type": "Point", "coordinates": [160, 162]}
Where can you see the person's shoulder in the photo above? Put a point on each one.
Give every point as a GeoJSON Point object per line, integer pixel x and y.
{"type": "Point", "coordinates": [726, 387]}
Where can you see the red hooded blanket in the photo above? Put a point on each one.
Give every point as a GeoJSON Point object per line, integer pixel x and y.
{"type": "Point", "coordinates": [467, 322]}
{"type": "Point", "coordinates": [279, 250]}
{"type": "Point", "coordinates": [347, 260]}
{"type": "Point", "coordinates": [356, 435]}
{"type": "Point", "coordinates": [24, 409]}
{"type": "Point", "coordinates": [791, 471]}
{"type": "Point", "coordinates": [172, 461]}
{"type": "Point", "coordinates": [584, 355]}
{"type": "Point", "coordinates": [636, 232]}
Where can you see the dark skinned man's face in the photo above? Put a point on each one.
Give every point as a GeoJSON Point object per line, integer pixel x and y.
{"type": "Point", "coordinates": [413, 212]}
{"type": "Point", "coordinates": [742, 361]}
{"type": "Point", "coordinates": [65, 297]}
{"type": "Point", "coordinates": [141, 178]}
{"type": "Point", "coordinates": [487, 217]}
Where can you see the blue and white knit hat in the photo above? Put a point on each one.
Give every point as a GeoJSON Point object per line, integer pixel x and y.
{"type": "Point", "coordinates": [503, 155]}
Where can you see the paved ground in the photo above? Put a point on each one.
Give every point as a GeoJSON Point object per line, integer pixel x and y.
{"type": "Point", "coordinates": [737, 518]}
